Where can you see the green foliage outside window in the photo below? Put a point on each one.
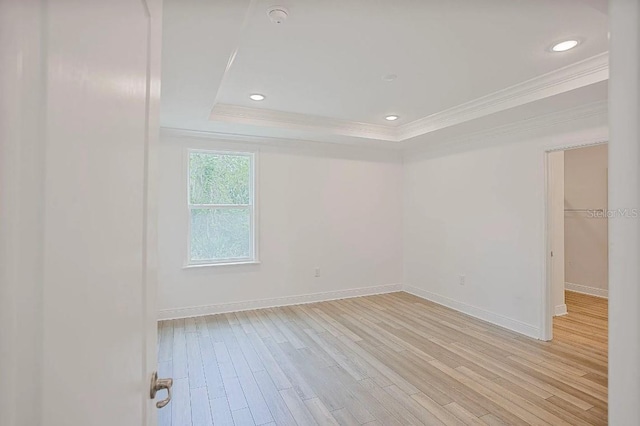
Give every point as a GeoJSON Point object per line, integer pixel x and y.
{"type": "Point", "coordinates": [221, 232]}
{"type": "Point", "coordinates": [219, 178]}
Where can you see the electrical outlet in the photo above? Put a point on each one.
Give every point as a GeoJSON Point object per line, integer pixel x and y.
{"type": "Point", "coordinates": [462, 279]}
{"type": "Point", "coordinates": [317, 272]}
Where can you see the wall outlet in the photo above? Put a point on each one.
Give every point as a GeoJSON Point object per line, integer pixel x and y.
{"type": "Point", "coordinates": [462, 279]}
{"type": "Point", "coordinates": [317, 272]}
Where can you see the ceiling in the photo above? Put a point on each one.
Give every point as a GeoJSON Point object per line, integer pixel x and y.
{"type": "Point", "coordinates": [322, 70]}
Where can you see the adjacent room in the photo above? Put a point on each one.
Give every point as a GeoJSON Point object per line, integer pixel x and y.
{"type": "Point", "coordinates": [351, 213]}
{"type": "Point", "coordinates": [578, 236]}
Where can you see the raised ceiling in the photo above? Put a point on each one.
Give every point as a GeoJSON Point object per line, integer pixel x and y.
{"type": "Point", "coordinates": [322, 69]}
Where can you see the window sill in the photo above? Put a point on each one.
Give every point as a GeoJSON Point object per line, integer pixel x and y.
{"type": "Point", "coordinates": [207, 265]}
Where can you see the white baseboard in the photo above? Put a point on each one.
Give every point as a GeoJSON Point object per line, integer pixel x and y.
{"type": "Point", "coordinates": [560, 310]}
{"type": "Point", "coordinates": [502, 321]}
{"type": "Point", "coordinates": [593, 291]}
{"type": "Point", "coordinates": [196, 311]}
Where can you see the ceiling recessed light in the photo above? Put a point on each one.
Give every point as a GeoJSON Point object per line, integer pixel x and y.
{"type": "Point", "coordinates": [391, 117]}
{"type": "Point", "coordinates": [565, 45]}
{"type": "Point", "coordinates": [389, 77]}
{"type": "Point", "coordinates": [257, 97]}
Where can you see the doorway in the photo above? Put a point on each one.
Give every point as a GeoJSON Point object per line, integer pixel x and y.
{"type": "Point", "coordinates": [577, 235]}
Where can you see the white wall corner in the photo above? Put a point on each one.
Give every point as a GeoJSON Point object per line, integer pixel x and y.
{"type": "Point", "coordinates": [592, 291]}
{"type": "Point", "coordinates": [196, 311]}
{"type": "Point", "coordinates": [493, 318]}
{"type": "Point", "coordinates": [560, 310]}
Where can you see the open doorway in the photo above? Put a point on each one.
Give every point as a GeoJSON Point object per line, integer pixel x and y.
{"type": "Point", "coordinates": [577, 200]}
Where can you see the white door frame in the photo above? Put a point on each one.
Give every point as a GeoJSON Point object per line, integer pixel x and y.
{"type": "Point", "coordinates": [547, 299]}
{"type": "Point", "coordinates": [21, 206]}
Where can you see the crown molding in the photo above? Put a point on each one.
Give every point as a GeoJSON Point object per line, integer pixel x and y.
{"type": "Point", "coordinates": [205, 139]}
{"type": "Point", "coordinates": [589, 71]}
{"type": "Point", "coordinates": [293, 121]}
{"type": "Point", "coordinates": [267, 140]}
{"type": "Point", "coordinates": [219, 136]}
{"type": "Point", "coordinates": [574, 76]}
{"type": "Point", "coordinates": [594, 113]}
{"type": "Point", "coordinates": [590, 114]}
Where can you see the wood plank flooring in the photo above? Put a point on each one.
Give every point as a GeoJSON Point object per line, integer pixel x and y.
{"type": "Point", "coordinates": [586, 325]}
{"type": "Point", "coordinates": [391, 359]}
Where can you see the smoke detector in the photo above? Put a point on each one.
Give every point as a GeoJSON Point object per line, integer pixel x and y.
{"type": "Point", "coordinates": [277, 14]}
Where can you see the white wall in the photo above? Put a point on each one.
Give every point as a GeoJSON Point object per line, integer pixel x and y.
{"type": "Point", "coordinates": [586, 235]}
{"type": "Point", "coordinates": [319, 206]}
{"type": "Point", "coordinates": [478, 210]}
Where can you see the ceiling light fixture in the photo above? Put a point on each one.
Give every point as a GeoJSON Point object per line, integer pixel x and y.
{"type": "Point", "coordinates": [565, 45]}
{"type": "Point", "coordinates": [391, 117]}
{"type": "Point", "coordinates": [389, 77]}
{"type": "Point", "coordinates": [257, 97]}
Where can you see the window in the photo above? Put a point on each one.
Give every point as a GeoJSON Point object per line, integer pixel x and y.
{"type": "Point", "coordinates": [221, 208]}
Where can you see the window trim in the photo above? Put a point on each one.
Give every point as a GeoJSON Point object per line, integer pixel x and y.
{"type": "Point", "coordinates": [253, 208]}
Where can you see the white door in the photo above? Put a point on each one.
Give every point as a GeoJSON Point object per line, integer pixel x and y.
{"type": "Point", "coordinates": [91, 314]}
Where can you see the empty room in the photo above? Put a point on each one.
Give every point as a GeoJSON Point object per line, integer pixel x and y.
{"type": "Point", "coordinates": [350, 230]}
{"type": "Point", "coordinates": [248, 212]}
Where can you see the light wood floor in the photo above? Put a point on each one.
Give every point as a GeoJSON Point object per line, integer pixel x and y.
{"type": "Point", "coordinates": [391, 359]}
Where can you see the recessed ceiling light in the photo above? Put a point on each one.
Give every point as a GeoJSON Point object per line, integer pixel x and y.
{"type": "Point", "coordinates": [564, 45]}
{"type": "Point", "coordinates": [390, 77]}
{"type": "Point", "coordinates": [391, 117]}
{"type": "Point", "coordinates": [257, 97]}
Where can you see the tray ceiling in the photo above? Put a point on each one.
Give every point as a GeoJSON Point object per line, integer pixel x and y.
{"type": "Point", "coordinates": [322, 69]}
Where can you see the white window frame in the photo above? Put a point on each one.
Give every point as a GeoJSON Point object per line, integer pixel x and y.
{"type": "Point", "coordinates": [253, 258]}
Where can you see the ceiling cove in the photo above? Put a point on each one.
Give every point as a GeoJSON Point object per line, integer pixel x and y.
{"type": "Point", "coordinates": [580, 74]}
